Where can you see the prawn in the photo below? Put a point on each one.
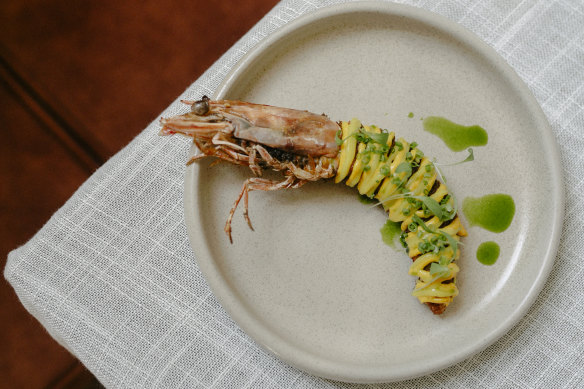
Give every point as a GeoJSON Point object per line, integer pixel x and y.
{"type": "Point", "coordinates": [305, 147]}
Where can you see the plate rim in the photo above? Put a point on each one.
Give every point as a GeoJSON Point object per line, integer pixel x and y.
{"type": "Point", "coordinates": [312, 363]}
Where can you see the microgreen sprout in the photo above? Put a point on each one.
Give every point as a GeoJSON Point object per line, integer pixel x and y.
{"type": "Point", "coordinates": [380, 138]}
{"type": "Point", "coordinates": [439, 270]}
{"type": "Point", "coordinates": [385, 170]}
{"type": "Point", "coordinates": [364, 137]}
{"type": "Point", "coordinates": [431, 204]}
{"type": "Point", "coordinates": [469, 158]}
{"type": "Point", "coordinates": [338, 139]}
{"type": "Point", "coordinates": [404, 167]}
{"type": "Point", "coordinates": [451, 241]}
{"type": "Point", "coordinates": [429, 283]}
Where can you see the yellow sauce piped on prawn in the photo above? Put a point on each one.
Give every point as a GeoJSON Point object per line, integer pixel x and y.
{"type": "Point", "coordinates": [306, 146]}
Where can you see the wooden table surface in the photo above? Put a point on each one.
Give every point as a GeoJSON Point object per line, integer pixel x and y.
{"type": "Point", "coordinates": [79, 81]}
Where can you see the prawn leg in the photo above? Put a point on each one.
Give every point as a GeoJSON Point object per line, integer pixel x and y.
{"type": "Point", "coordinates": [256, 183]}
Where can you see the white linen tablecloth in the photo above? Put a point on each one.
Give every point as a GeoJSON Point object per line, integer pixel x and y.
{"type": "Point", "coordinates": [113, 279]}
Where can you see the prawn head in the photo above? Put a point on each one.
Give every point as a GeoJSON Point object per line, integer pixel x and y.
{"type": "Point", "coordinates": [298, 143]}
{"type": "Point", "coordinates": [290, 130]}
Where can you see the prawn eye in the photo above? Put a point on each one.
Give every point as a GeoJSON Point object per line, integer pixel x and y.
{"type": "Point", "coordinates": [201, 107]}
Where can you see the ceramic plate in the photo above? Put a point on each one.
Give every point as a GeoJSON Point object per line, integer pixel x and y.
{"type": "Point", "coordinates": [314, 284]}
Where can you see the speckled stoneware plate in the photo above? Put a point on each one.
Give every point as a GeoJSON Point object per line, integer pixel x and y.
{"type": "Point", "coordinates": [314, 284]}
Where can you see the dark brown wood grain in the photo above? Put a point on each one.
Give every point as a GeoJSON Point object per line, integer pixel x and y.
{"type": "Point", "coordinates": [78, 81]}
{"type": "Point", "coordinates": [38, 175]}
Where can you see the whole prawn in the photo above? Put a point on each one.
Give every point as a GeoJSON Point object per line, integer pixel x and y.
{"type": "Point", "coordinates": [305, 147]}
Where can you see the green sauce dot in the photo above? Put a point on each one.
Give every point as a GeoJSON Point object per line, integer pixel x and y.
{"type": "Point", "coordinates": [389, 232]}
{"type": "Point", "coordinates": [411, 115]}
{"type": "Point", "coordinates": [488, 252]}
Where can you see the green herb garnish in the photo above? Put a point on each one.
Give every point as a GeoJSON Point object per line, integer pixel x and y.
{"type": "Point", "coordinates": [338, 139]}
{"type": "Point", "coordinates": [404, 167]}
{"type": "Point", "coordinates": [451, 241]}
{"type": "Point", "coordinates": [438, 270]}
{"type": "Point", "coordinates": [380, 138]}
{"type": "Point", "coordinates": [432, 205]}
{"type": "Point", "coordinates": [418, 220]}
{"type": "Point", "coordinates": [364, 137]}
{"type": "Point", "coordinates": [469, 158]}
{"type": "Point", "coordinates": [385, 170]}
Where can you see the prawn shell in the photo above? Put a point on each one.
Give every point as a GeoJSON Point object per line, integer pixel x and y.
{"type": "Point", "coordinates": [295, 131]}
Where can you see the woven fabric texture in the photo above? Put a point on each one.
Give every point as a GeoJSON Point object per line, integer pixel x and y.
{"type": "Point", "coordinates": [113, 279]}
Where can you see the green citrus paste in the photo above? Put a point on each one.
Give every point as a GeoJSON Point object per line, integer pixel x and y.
{"type": "Point", "coordinates": [488, 252]}
{"type": "Point", "coordinates": [389, 232]}
{"type": "Point", "coordinates": [493, 212]}
{"type": "Point", "coordinates": [457, 137]}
